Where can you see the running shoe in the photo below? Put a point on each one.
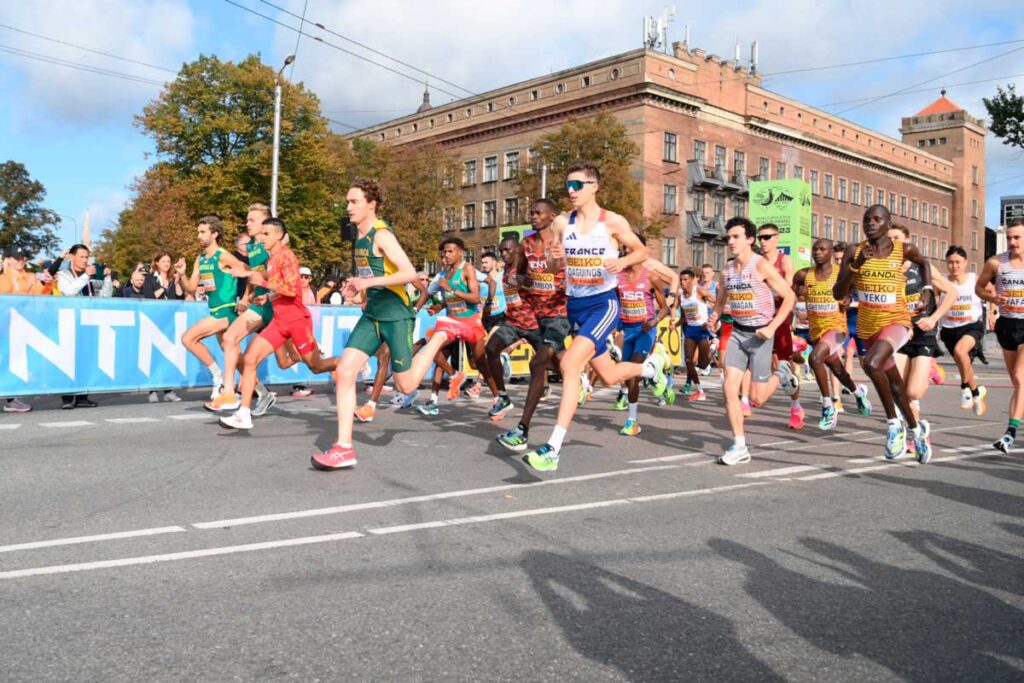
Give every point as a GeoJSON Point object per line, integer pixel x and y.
{"type": "Point", "coordinates": [895, 441]}
{"type": "Point", "coordinates": [544, 459]}
{"type": "Point", "coordinates": [1004, 444]}
{"type": "Point", "coordinates": [796, 418]}
{"type": "Point", "coordinates": [408, 400]}
{"type": "Point", "coordinates": [264, 403]}
{"type": "Point", "coordinates": [305, 392]}
{"type": "Point", "coordinates": [154, 397]}
{"type": "Point", "coordinates": [669, 397]}
{"type": "Point", "coordinates": [429, 409]}
{"type": "Point", "coordinates": [454, 384]}
{"type": "Point", "coordinates": [473, 392]}
{"type": "Point", "coordinates": [16, 406]}
{"type": "Point", "coordinates": [506, 366]}
{"type": "Point", "coordinates": [502, 404]}
{"type": "Point", "coordinates": [980, 406]}
{"type": "Point", "coordinates": [172, 397]}
{"type": "Point", "coordinates": [745, 407]}
{"type": "Point", "coordinates": [705, 371]}
{"type": "Point", "coordinates": [614, 351]}
{"type": "Point", "coordinates": [366, 412]}
{"type": "Point", "coordinates": [736, 455]}
{"type": "Point", "coordinates": [937, 374]}
{"type": "Point", "coordinates": [661, 401]}
{"type": "Point", "coordinates": [223, 402]}
{"type": "Point", "coordinates": [656, 363]}
{"type": "Point", "coordinates": [839, 406]}
{"type": "Point", "coordinates": [829, 419]}
{"type": "Point", "coordinates": [236, 421]}
{"type": "Point", "coordinates": [218, 388]}
{"type": "Point", "coordinates": [863, 404]}
{"type": "Point", "coordinates": [513, 440]}
{"type": "Point", "coordinates": [621, 403]}
{"type": "Point", "coordinates": [397, 399]}
{"type": "Point", "coordinates": [456, 328]}
{"type": "Point", "coordinates": [923, 443]}
{"type": "Point", "coordinates": [585, 389]}
{"type": "Point", "coordinates": [336, 458]}
{"type": "Point", "coordinates": [966, 398]}
{"type": "Point", "coordinates": [631, 428]}
{"type": "Point", "coordinates": [787, 380]}
{"type": "Point", "coordinates": [980, 355]}
{"type": "Point", "coordinates": [687, 389]}
{"type": "Point", "coordinates": [698, 395]}
{"type": "Point", "coordinates": [546, 393]}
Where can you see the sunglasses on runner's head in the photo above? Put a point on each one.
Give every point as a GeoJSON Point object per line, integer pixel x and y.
{"type": "Point", "coordinates": [577, 185]}
{"type": "Point", "coordinates": [768, 236]}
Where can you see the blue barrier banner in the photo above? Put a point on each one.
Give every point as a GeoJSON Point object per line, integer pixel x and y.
{"type": "Point", "coordinates": [65, 345]}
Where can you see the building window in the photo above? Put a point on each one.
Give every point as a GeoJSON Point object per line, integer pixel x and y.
{"type": "Point", "coordinates": [924, 212]}
{"type": "Point", "coordinates": [700, 151]}
{"type": "Point", "coordinates": [469, 172]}
{"type": "Point", "coordinates": [490, 169]}
{"type": "Point", "coordinates": [880, 196]}
{"type": "Point", "coordinates": [913, 209]}
{"type": "Point", "coordinates": [798, 172]}
{"type": "Point", "coordinates": [511, 211]}
{"type": "Point", "coordinates": [511, 164]}
{"type": "Point", "coordinates": [490, 214]}
{"type": "Point", "coordinates": [974, 208]}
{"type": "Point", "coordinates": [739, 163]}
{"type": "Point", "coordinates": [534, 94]}
{"type": "Point", "coordinates": [585, 82]}
{"type": "Point", "coordinates": [720, 207]}
{"type": "Point", "coordinates": [814, 182]}
{"type": "Point", "coordinates": [698, 203]}
{"type": "Point", "coordinates": [469, 216]}
{"type": "Point", "coordinates": [449, 220]}
{"type": "Point", "coordinates": [669, 200]}
{"type": "Point", "coordinates": [828, 227]}
{"type": "Point", "coordinates": [942, 249]}
{"type": "Point", "coordinates": [935, 214]}
{"type": "Point", "coordinates": [913, 240]}
{"type": "Point", "coordinates": [842, 189]}
{"type": "Point", "coordinates": [841, 232]}
{"type": "Point", "coordinates": [855, 232]}
{"type": "Point", "coordinates": [763, 165]}
{"type": "Point", "coordinates": [920, 143]}
{"type": "Point", "coordinates": [668, 251]}
{"type": "Point", "coordinates": [780, 170]}
{"type": "Point", "coordinates": [974, 240]}
{"type": "Point", "coordinates": [855, 192]}
{"type": "Point", "coordinates": [974, 174]}
{"type": "Point", "coordinates": [717, 256]}
{"type": "Point", "coordinates": [945, 217]}
{"type": "Point", "coordinates": [868, 194]}
{"type": "Point", "coordinates": [671, 146]}
{"type": "Point", "coordinates": [720, 158]}
{"type": "Point", "coordinates": [448, 118]}
{"type": "Point", "coordinates": [935, 248]}
{"type": "Point", "coordinates": [892, 202]}
{"type": "Point", "coordinates": [739, 207]}
{"type": "Point", "coordinates": [828, 186]}
{"type": "Point", "coordinates": [942, 141]}
{"type": "Point", "coordinates": [903, 205]}
{"type": "Point", "coordinates": [814, 225]}
{"type": "Point", "coordinates": [697, 253]}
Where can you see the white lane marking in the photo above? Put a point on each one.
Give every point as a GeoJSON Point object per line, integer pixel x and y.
{"type": "Point", "coordinates": [905, 463]}
{"type": "Point", "coordinates": [193, 416]}
{"type": "Point", "coordinates": [130, 420]}
{"type": "Point", "coordinates": [90, 539]}
{"type": "Point", "coordinates": [14, 426]}
{"type": "Point", "coordinates": [224, 523]}
{"type": "Point", "coordinates": [380, 531]}
{"type": "Point", "coordinates": [782, 471]}
{"type": "Point", "coordinates": [668, 458]}
{"type": "Point", "coordinates": [803, 444]}
{"type": "Point", "coordinates": [171, 557]}
{"type": "Point", "coordinates": [66, 425]}
{"type": "Point", "coordinates": [696, 492]}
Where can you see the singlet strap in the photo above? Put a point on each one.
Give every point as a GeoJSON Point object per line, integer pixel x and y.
{"type": "Point", "coordinates": [572, 217]}
{"type": "Point", "coordinates": [600, 217]}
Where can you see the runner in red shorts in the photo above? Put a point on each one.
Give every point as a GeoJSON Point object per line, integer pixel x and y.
{"type": "Point", "coordinates": [768, 236]}
{"type": "Point", "coordinates": [291, 322]}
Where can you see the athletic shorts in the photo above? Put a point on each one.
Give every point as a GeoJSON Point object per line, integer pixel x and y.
{"type": "Point", "coordinates": [1010, 333]}
{"type": "Point", "coordinates": [697, 333]}
{"type": "Point", "coordinates": [636, 342]}
{"type": "Point", "coordinates": [553, 332]}
{"type": "Point", "coordinates": [833, 340]}
{"type": "Point", "coordinates": [369, 334]}
{"type": "Point", "coordinates": [724, 334]}
{"type": "Point", "coordinates": [266, 311]}
{"type": "Point", "coordinates": [594, 317]}
{"type": "Point", "coordinates": [508, 334]}
{"type": "Point", "coordinates": [804, 333]}
{"type": "Point", "coordinates": [748, 351]}
{"type": "Point", "coordinates": [492, 321]}
{"type": "Point", "coordinates": [227, 313]}
{"type": "Point", "coordinates": [895, 335]}
{"type": "Point", "coordinates": [782, 346]}
{"type": "Point", "coordinates": [299, 330]}
{"type": "Point", "coordinates": [921, 346]}
{"type": "Point", "coordinates": [951, 336]}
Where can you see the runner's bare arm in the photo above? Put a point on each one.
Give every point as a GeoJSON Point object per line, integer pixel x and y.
{"type": "Point", "coordinates": [799, 278]}
{"type": "Point", "coordinates": [716, 313]}
{"type": "Point", "coordinates": [706, 296]}
{"type": "Point", "coordinates": [788, 268]}
{"type": "Point", "coordinates": [619, 230]}
{"type": "Point", "coordinates": [658, 289]}
{"type": "Point", "coordinates": [191, 284]}
{"type": "Point", "coordinates": [986, 278]}
{"type": "Point", "coordinates": [387, 243]}
{"type": "Point", "coordinates": [848, 271]}
{"type": "Point", "coordinates": [670, 276]}
{"type": "Point", "coordinates": [949, 296]}
{"type": "Point", "coordinates": [231, 265]}
{"type": "Point", "coordinates": [557, 250]}
{"type": "Point", "coordinates": [779, 286]}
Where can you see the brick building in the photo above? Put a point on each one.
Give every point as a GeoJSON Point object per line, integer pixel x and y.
{"type": "Point", "coordinates": [705, 127]}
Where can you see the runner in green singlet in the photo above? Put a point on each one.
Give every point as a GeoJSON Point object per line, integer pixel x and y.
{"type": "Point", "coordinates": [212, 275]}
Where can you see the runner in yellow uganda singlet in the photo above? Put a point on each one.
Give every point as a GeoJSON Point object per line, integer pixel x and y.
{"type": "Point", "coordinates": [881, 287]}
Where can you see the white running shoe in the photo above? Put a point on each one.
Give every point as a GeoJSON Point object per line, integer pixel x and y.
{"type": "Point", "coordinates": [966, 399]}
{"type": "Point", "coordinates": [264, 403]}
{"type": "Point", "coordinates": [736, 455]}
{"type": "Point", "coordinates": [218, 387]}
{"type": "Point", "coordinates": [236, 421]}
{"type": "Point", "coordinates": [787, 380]}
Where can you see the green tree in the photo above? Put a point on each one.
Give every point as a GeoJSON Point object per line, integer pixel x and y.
{"type": "Point", "coordinates": [603, 140]}
{"type": "Point", "coordinates": [24, 221]}
{"type": "Point", "coordinates": [1006, 114]}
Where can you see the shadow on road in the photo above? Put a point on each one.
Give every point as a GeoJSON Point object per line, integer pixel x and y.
{"type": "Point", "coordinates": [920, 625]}
{"type": "Point", "coordinates": [984, 499]}
{"type": "Point", "coordinates": [643, 632]}
{"type": "Point", "coordinates": [968, 561]}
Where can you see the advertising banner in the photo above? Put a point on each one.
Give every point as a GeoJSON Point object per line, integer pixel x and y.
{"type": "Point", "coordinates": [787, 204]}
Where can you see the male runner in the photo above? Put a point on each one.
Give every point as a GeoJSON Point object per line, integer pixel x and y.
{"type": "Point", "coordinates": [747, 285]}
{"type": "Point", "coordinates": [875, 268]}
{"type": "Point", "coordinates": [384, 270]}
{"type": "Point", "coordinates": [590, 239]}
{"type": "Point", "coordinates": [252, 316]}
{"type": "Point", "coordinates": [291, 321]}
{"type": "Point", "coordinates": [1006, 271]}
{"type": "Point", "coordinates": [695, 301]}
{"type": "Point", "coordinates": [492, 294]}
{"type": "Point", "coordinates": [782, 346]}
{"type": "Point", "coordinates": [213, 275]}
{"type": "Point", "coordinates": [963, 330]}
{"type": "Point", "coordinates": [826, 324]}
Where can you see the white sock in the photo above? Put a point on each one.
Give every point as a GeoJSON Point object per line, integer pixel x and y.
{"type": "Point", "coordinates": [632, 410]}
{"type": "Point", "coordinates": [215, 371]}
{"type": "Point", "coordinates": [433, 397]}
{"type": "Point", "coordinates": [895, 422]}
{"type": "Point", "coordinates": [557, 435]}
{"type": "Point", "coordinates": [795, 403]}
{"type": "Point", "coordinates": [826, 402]}
{"type": "Point", "coordinates": [739, 441]}
{"type": "Point", "coordinates": [744, 399]}
{"type": "Point", "coordinates": [916, 405]}
{"type": "Point", "coordinates": [861, 391]}
{"type": "Point", "coordinates": [244, 412]}
{"type": "Point", "coordinates": [648, 371]}
{"type": "Point", "coordinates": [916, 431]}
{"type": "Point", "coordinates": [372, 404]}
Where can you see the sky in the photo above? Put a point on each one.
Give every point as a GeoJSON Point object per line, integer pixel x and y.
{"type": "Point", "coordinates": [74, 129]}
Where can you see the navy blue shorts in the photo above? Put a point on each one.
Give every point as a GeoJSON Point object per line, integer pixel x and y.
{"type": "Point", "coordinates": [637, 342]}
{"type": "Point", "coordinates": [804, 334]}
{"type": "Point", "coordinates": [594, 317]}
{"type": "Point", "coordinates": [697, 333]}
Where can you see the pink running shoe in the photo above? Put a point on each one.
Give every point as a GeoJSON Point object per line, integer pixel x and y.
{"type": "Point", "coordinates": [336, 458]}
{"type": "Point", "coordinates": [697, 395]}
{"type": "Point", "coordinates": [796, 418]}
{"type": "Point", "coordinates": [745, 407]}
{"type": "Point", "coordinates": [937, 374]}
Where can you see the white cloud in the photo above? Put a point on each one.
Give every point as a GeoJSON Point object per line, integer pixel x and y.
{"type": "Point", "coordinates": [157, 32]}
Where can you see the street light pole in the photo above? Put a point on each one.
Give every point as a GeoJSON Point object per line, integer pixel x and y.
{"type": "Point", "coordinates": [544, 180]}
{"type": "Point", "coordinates": [73, 220]}
{"type": "Point", "coordinates": [277, 134]}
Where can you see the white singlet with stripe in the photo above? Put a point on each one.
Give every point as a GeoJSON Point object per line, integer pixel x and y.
{"type": "Point", "coordinates": [585, 274]}
{"type": "Point", "coordinates": [1010, 283]}
{"type": "Point", "coordinates": [694, 308]}
{"type": "Point", "coordinates": [751, 301]}
{"type": "Point", "coordinates": [967, 308]}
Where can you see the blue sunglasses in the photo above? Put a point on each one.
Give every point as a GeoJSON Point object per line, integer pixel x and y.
{"type": "Point", "coordinates": [577, 185]}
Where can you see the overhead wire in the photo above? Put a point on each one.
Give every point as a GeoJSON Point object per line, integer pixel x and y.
{"type": "Point", "coordinates": [79, 66]}
{"type": "Point", "coordinates": [88, 49]}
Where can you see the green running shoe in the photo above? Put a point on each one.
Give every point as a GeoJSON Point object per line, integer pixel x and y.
{"type": "Point", "coordinates": [631, 428]}
{"type": "Point", "coordinates": [895, 441]}
{"type": "Point", "coordinates": [863, 404]}
{"type": "Point", "coordinates": [687, 389]}
{"type": "Point", "coordinates": [429, 409]}
{"type": "Point", "coordinates": [829, 419]}
{"type": "Point", "coordinates": [544, 459]}
{"type": "Point", "coordinates": [659, 382]}
{"type": "Point", "coordinates": [621, 403]}
{"type": "Point", "coordinates": [513, 440]}
{"type": "Point", "coordinates": [670, 396]}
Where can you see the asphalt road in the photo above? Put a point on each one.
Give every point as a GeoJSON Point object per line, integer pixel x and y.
{"type": "Point", "coordinates": [142, 542]}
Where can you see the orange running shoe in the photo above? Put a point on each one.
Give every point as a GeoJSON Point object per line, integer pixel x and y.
{"type": "Point", "coordinates": [454, 384]}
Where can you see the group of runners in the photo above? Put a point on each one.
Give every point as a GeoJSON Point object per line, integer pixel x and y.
{"type": "Point", "coordinates": [582, 291]}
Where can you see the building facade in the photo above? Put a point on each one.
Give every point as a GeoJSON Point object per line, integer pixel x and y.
{"type": "Point", "coordinates": [705, 128]}
{"type": "Point", "coordinates": [1010, 206]}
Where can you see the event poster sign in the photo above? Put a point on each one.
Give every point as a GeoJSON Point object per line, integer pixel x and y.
{"type": "Point", "coordinates": [787, 204]}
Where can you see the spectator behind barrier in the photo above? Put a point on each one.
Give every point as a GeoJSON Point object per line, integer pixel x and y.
{"type": "Point", "coordinates": [16, 280]}
{"type": "Point", "coordinates": [161, 281]}
{"type": "Point", "coordinates": [77, 281]}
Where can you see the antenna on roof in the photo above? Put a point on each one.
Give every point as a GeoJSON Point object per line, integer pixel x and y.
{"type": "Point", "coordinates": [656, 30]}
{"type": "Point", "coordinates": [753, 58]}
{"type": "Point", "coordinates": [737, 50]}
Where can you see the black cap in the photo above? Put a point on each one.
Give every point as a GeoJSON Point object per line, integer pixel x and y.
{"type": "Point", "coordinates": [16, 252]}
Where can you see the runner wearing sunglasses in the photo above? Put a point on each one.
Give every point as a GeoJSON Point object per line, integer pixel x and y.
{"type": "Point", "coordinates": [782, 345]}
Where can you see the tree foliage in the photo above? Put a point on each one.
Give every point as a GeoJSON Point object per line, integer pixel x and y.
{"type": "Point", "coordinates": [24, 221]}
{"type": "Point", "coordinates": [1006, 114]}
